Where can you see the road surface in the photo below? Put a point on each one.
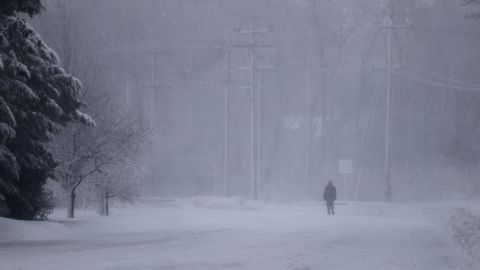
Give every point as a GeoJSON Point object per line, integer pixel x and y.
{"type": "Point", "coordinates": [274, 237]}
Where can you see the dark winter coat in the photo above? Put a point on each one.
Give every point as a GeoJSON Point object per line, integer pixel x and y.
{"type": "Point", "coordinates": [330, 193]}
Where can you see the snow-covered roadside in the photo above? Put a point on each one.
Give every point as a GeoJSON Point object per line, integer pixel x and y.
{"type": "Point", "coordinates": [465, 228]}
{"type": "Point", "coordinates": [460, 219]}
{"type": "Point", "coordinates": [434, 213]}
{"type": "Point", "coordinates": [217, 233]}
{"type": "Point", "coordinates": [154, 209]}
{"type": "Point", "coordinates": [151, 212]}
{"type": "Point", "coordinates": [210, 214]}
{"type": "Point", "coordinates": [16, 230]}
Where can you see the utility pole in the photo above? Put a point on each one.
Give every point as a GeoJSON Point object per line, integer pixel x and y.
{"type": "Point", "coordinates": [389, 26]}
{"type": "Point", "coordinates": [152, 81]}
{"type": "Point", "coordinates": [127, 105]}
{"type": "Point", "coordinates": [260, 131]}
{"type": "Point", "coordinates": [227, 114]}
{"type": "Point", "coordinates": [252, 46]}
{"type": "Point", "coordinates": [253, 109]}
{"type": "Point", "coordinates": [309, 121]}
{"type": "Point", "coordinates": [215, 182]}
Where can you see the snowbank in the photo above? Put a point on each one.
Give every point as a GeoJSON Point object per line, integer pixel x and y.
{"type": "Point", "coordinates": [465, 228]}
{"type": "Point", "coordinates": [18, 230]}
{"type": "Point", "coordinates": [168, 214]}
{"type": "Point", "coordinates": [205, 202]}
{"type": "Point", "coordinates": [439, 214]}
{"type": "Point", "coordinates": [221, 203]}
{"type": "Point", "coordinates": [462, 224]}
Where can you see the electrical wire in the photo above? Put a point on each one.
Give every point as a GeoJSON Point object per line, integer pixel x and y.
{"type": "Point", "coordinates": [434, 83]}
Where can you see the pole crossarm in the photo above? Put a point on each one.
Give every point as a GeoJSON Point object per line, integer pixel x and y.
{"type": "Point", "coordinates": [393, 26]}
{"type": "Point", "coordinates": [244, 69]}
{"type": "Point", "coordinates": [249, 46]}
{"type": "Point", "coordinates": [157, 85]}
{"type": "Point", "coordinates": [252, 31]}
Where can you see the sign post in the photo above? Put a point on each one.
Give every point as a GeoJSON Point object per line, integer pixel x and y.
{"type": "Point", "coordinates": [345, 167]}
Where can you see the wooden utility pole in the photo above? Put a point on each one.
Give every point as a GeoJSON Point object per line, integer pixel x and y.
{"type": "Point", "coordinates": [254, 110]}
{"type": "Point", "coordinates": [389, 26]}
{"type": "Point", "coordinates": [227, 115]}
{"type": "Point", "coordinates": [152, 81]}
{"type": "Point", "coordinates": [260, 131]}
{"type": "Point", "coordinates": [309, 122]}
{"type": "Point", "coordinates": [128, 97]}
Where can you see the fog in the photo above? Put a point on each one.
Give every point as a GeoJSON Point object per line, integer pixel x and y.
{"type": "Point", "coordinates": [239, 134]}
{"type": "Point", "coordinates": [274, 113]}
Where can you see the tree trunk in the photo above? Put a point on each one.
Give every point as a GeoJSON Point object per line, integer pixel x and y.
{"type": "Point", "coordinates": [71, 204]}
{"type": "Point", "coordinates": [104, 204]}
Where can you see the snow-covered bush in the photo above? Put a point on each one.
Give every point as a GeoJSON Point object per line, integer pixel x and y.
{"type": "Point", "coordinates": [466, 230]}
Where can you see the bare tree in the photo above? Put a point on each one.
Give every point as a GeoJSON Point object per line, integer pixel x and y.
{"type": "Point", "coordinates": [85, 153]}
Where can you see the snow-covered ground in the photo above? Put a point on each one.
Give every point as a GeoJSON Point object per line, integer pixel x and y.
{"type": "Point", "coordinates": [212, 233]}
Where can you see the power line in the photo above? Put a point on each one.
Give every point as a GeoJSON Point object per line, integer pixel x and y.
{"type": "Point", "coordinates": [419, 116]}
{"type": "Point", "coordinates": [449, 79]}
{"type": "Point", "coordinates": [434, 83]}
{"type": "Point", "coordinates": [443, 30]}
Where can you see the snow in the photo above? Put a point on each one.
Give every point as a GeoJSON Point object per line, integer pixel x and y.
{"type": "Point", "coordinates": [465, 228]}
{"type": "Point", "coordinates": [85, 118]}
{"type": "Point", "coordinates": [19, 70]}
{"type": "Point", "coordinates": [52, 105]}
{"type": "Point", "coordinates": [216, 233]}
{"type": "Point", "coordinates": [224, 203]}
{"type": "Point", "coordinates": [6, 132]}
{"type": "Point", "coordinates": [16, 231]}
{"type": "Point", "coordinates": [24, 91]}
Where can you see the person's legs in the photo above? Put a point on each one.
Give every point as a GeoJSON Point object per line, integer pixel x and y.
{"type": "Point", "coordinates": [328, 207]}
{"type": "Point", "coordinates": [333, 208]}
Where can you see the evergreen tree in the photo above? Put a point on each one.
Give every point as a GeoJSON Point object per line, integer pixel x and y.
{"type": "Point", "coordinates": [12, 7]}
{"type": "Point", "coordinates": [36, 97]}
{"type": "Point", "coordinates": [473, 7]}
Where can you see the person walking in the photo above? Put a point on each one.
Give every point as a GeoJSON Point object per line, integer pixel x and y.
{"type": "Point", "coordinates": [329, 196]}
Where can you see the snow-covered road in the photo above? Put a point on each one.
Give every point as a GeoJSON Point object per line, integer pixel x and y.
{"type": "Point", "coordinates": [267, 237]}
